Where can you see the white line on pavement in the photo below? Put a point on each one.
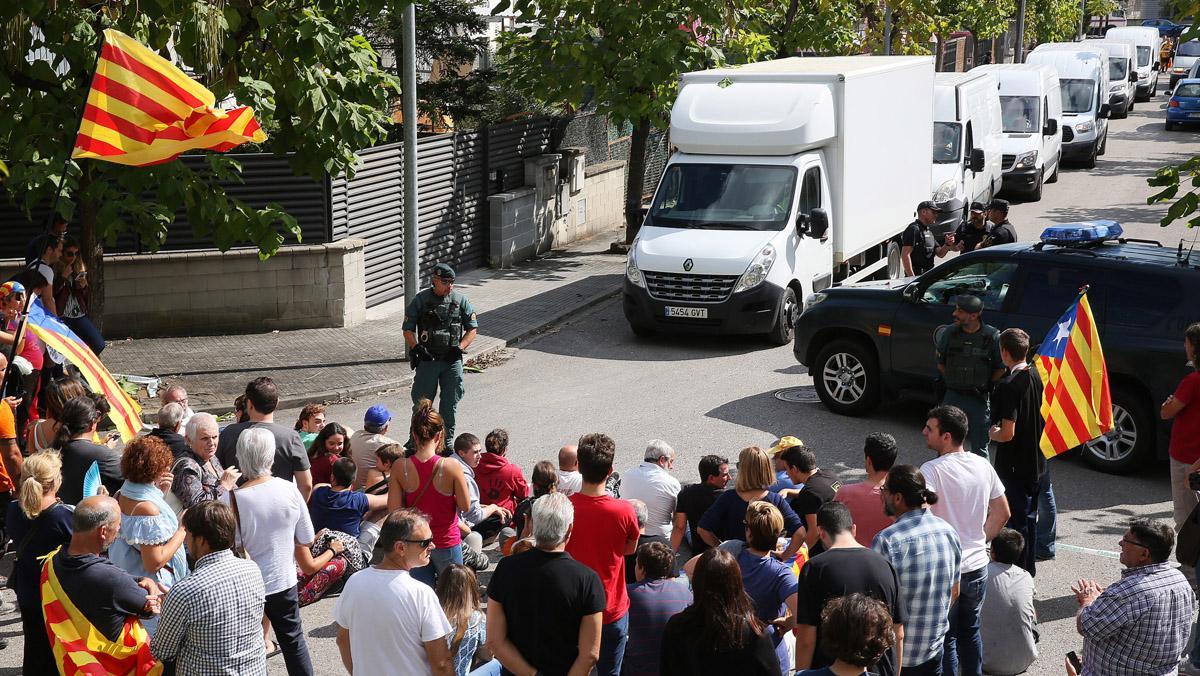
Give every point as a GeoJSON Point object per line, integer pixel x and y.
{"type": "Point", "coordinates": [1088, 550]}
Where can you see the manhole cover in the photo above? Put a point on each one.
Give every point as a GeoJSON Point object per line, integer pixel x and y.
{"type": "Point", "coordinates": [806, 394]}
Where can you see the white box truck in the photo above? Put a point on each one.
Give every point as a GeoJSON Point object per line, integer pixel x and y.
{"type": "Point", "coordinates": [967, 136]}
{"type": "Point", "coordinates": [789, 176]}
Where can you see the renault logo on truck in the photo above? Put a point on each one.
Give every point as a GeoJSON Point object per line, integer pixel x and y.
{"type": "Point", "coordinates": [687, 265]}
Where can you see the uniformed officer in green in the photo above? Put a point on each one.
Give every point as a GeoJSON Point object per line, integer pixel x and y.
{"type": "Point", "coordinates": [439, 325]}
{"type": "Point", "coordinates": [968, 357]}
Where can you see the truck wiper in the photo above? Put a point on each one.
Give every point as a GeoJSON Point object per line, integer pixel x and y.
{"type": "Point", "coordinates": [725, 226]}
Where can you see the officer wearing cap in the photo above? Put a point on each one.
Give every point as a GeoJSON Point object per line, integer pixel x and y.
{"type": "Point", "coordinates": [1003, 231]}
{"type": "Point", "coordinates": [968, 357]}
{"type": "Point", "coordinates": [917, 245]}
{"type": "Point", "coordinates": [969, 233]}
{"type": "Point", "coordinates": [439, 325]}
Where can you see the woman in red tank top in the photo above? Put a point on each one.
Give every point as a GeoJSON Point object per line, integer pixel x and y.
{"type": "Point", "coordinates": [434, 485]}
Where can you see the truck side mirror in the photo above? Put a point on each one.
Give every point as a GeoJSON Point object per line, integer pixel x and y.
{"type": "Point", "coordinates": [1051, 127]}
{"type": "Point", "coordinates": [1105, 110]}
{"type": "Point", "coordinates": [818, 223]}
{"type": "Point", "coordinates": [978, 160]}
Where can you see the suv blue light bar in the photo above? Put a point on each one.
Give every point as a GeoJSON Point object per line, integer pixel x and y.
{"type": "Point", "coordinates": [1087, 232]}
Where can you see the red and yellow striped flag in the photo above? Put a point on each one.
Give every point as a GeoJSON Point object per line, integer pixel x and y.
{"type": "Point", "coordinates": [143, 110]}
{"type": "Point", "coordinates": [79, 648]}
{"type": "Point", "coordinates": [1076, 403]}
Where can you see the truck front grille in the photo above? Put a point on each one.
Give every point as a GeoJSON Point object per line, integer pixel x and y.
{"type": "Point", "coordinates": [1068, 134]}
{"type": "Point", "coordinates": [689, 288]}
{"type": "Point", "coordinates": [1006, 161]}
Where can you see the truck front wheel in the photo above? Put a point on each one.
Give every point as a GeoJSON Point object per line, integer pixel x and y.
{"type": "Point", "coordinates": [846, 375]}
{"type": "Point", "coordinates": [785, 321]}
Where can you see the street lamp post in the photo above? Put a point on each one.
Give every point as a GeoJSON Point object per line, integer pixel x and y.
{"type": "Point", "coordinates": [408, 33]}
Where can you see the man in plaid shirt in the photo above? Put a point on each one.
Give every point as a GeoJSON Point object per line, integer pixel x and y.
{"type": "Point", "coordinates": [211, 621]}
{"type": "Point", "coordinates": [1139, 625]}
{"type": "Point", "coordinates": [926, 554]}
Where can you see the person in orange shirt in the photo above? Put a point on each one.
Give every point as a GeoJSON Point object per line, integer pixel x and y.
{"type": "Point", "coordinates": [10, 453]}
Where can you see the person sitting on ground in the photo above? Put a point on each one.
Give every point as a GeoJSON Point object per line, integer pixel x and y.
{"type": "Point", "coordinates": [1007, 621]}
{"type": "Point", "coordinates": [642, 513]}
{"type": "Point", "coordinates": [176, 394]}
{"type": "Point", "coordinates": [569, 478]}
{"type": "Point", "coordinates": [377, 478]}
{"type": "Point", "coordinates": [110, 602]}
{"type": "Point", "coordinates": [324, 449]}
{"type": "Point", "coordinates": [210, 622]}
{"type": "Point", "coordinates": [458, 592]}
{"type": "Point", "coordinates": [291, 460]}
{"type": "Point", "coordinates": [544, 608]}
{"type": "Point", "coordinates": [150, 543]}
{"type": "Point", "coordinates": [310, 423]}
{"type": "Point", "coordinates": [56, 395]}
{"type": "Point", "coordinates": [170, 424]}
{"type": "Point", "coordinates": [654, 598]}
{"type": "Point", "coordinates": [695, 499]}
{"type": "Point", "coordinates": [80, 417]}
{"type": "Point", "coordinates": [819, 488]}
{"type": "Point", "coordinates": [858, 634]}
{"type": "Point", "coordinates": [652, 483]}
{"type": "Point", "coordinates": [719, 634]}
{"type": "Point", "coordinates": [376, 423]}
{"type": "Point", "coordinates": [500, 481]}
{"type": "Point", "coordinates": [863, 498]}
{"type": "Point", "coordinates": [198, 475]}
{"type": "Point", "coordinates": [387, 621]}
{"type": "Point", "coordinates": [726, 519]}
{"type": "Point", "coordinates": [334, 507]}
{"type": "Point", "coordinates": [545, 481]}
{"type": "Point", "coordinates": [782, 480]}
{"type": "Point", "coordinates": [479, 522]}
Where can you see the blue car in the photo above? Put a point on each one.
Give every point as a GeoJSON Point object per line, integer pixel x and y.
{"type": "Point", "coordinates": [1184, 106]}
{"type": "Point", "coordinates": [1166, 27]}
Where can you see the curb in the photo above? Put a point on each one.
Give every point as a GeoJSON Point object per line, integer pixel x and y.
{"type": "Point", "coordinates": [338, 394]}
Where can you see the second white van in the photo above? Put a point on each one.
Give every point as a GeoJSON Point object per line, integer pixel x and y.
{"type": "Point", "coordinates": [1083, 81]}
{"type": "Point", "coordinates": [967, 134]}
{"type": "Point", "coordinates": [1146, 42]}
{"type": "Point", "coordinates": [1122, 76]}
{"type": "Point", "coordinates": [1030, 112]}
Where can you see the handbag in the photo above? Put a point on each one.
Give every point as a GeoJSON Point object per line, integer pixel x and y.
{"type": "Point", "coordinates": [1187, 543]}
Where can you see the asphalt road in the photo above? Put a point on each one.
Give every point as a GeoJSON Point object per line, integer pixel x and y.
{"type": "Point", "coordinates": [719, 395]}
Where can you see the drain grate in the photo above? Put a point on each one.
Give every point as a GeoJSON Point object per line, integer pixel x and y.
{"type": "Point", "coordinates": [805, 394]}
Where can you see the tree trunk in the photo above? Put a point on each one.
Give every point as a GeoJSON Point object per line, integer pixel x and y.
{"type": "Point", "coordinates": [635, 176]}
{"type": "Point", "coordinates": [91, 244]}
{"type": "Point", "coordinates": [938, 60]}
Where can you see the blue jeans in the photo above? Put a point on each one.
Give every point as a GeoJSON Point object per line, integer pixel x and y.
{"type": "Point", "coordinates": [489, 669]}
{"type": "Point", "coordinates": [1024, 508]}
{"type": "Point", "coordinates": [613, 637]}
{"type": "Point", "coordinates": [439, 560]}
{"type": "Point", "coordinates": [1047, 526]}
{"type": "Point", "coordinates": [931, 668]}
{"type": "Point", "coordinates": [964, 645]}
{"type": "Point", "coordinates": [87, 332]}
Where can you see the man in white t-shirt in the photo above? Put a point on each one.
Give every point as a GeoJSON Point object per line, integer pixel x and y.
{"type": "Point", "coordinates": [569, 479]}
{"type": "Point", "coordinates": [388, 623]}
{"type": "Point", "coordinates": [652, 483]}
{"type": "Point", "coordinates": [971, 499]}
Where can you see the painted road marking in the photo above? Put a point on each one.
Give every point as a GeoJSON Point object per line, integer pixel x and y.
{"type": "Point", "coordinates": [1088, 550]}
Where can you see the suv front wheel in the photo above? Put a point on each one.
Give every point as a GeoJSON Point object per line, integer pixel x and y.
{"type": "Point", "coordinates": [1128, 446]}
{"type": "Point", "coordinates": [846, 376]}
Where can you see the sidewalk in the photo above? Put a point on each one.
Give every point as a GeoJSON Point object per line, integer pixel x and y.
{"type": "Point", "coordinates": [336, 364]}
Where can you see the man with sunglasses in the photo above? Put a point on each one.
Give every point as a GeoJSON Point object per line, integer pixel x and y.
{"type": "Point", "coordinates": [1139, 624]}
{"type": "Point", "coordinates": [439, 325]}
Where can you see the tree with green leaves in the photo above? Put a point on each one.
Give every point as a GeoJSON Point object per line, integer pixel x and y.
{"type": "Point", "coordinates": [315, 84]}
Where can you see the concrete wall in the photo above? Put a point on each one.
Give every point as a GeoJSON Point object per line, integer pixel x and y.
{"type": "Point", "coordinates": [599, 207]}
{"type": "Point", "coordinates": [209, 292]}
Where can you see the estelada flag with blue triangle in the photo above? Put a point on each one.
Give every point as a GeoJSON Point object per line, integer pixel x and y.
{"type": "Point", "coordinates": [1076, 403]}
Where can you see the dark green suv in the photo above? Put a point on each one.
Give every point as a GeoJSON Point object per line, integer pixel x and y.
{"type": "Point", "coordinates": [871, 342]}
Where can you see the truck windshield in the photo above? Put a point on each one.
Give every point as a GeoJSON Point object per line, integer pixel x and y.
{"type": "Point", "coordinates": [946, 139]}
{"type": "Point", "coordinates": [1143, 56]}
{"type": "Point", "coordinates": [1020, 114]}
{"type": "Point", "coordinates": [724, 197]}
{"type": "Point", "coordinates": [1116, 69]}
{"type": "Point", "coordinates": [1077, 95]}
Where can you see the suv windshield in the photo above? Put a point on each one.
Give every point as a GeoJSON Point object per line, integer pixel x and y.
{"type": "Point", "coordinates": [1077, 95]}
{"type": "Point", "coordinates": [724, 197]}
{"type": "Point", "coordinates": [1020, 114]}
{"type": "Point", "coordinates": [1189, 48]}
{"type": "Point", "coordinates": [946, 137]}
{"type": "Point", "coordinates": [1143, 56]}
{"type": "Point", "coordinates": [1116, 68]}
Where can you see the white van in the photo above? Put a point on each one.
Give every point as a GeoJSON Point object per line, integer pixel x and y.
{"type": "Point", "coordinates": [1083, 80]}
{"type": "Point", "coordinates": [1186, 54]}
{"type": "Point", "coordinates": [1122, 76]}
{"type": "Point", "coordinates": [1146, 43]}
{"type": "Point", "coordinates": [967, 133]}
{"type": "Point", "coordinates": [1030, 112]}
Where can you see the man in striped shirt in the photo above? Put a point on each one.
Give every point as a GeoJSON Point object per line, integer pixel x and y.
{"type": "Point", "coordinates": [653, 599]}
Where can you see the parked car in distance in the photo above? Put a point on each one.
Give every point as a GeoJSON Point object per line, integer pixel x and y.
{"type": "Point", "coordinates": [1166, 27]}
{"type": "Point", "coordinates": [1031, 111]}
{"type": "Point", "coordinates": [1146, 42]}
{"type": "Point", "coordinates": [1187, 54]}
{"type": "Point", "coordinates": [1184, 106]}
{"type": "Point", "coordinates": [873, 342]}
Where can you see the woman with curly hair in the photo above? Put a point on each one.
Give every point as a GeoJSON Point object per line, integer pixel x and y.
{"type": "Point", "coordinates": [857, 632]}
{"type": "Point", "coordinates": [150, 542]}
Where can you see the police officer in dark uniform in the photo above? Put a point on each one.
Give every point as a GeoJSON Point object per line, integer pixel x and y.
{"type": "Point", "coordinates": [1003, 231]}
{"type": "Point", "coordinates": [917, 244]}
{"type": "Point", "coordinates": [968, 357]}
{"type": "Point", "coordinates": [439, 325]}
{"type": "Point", "coordinates": [969, 233]}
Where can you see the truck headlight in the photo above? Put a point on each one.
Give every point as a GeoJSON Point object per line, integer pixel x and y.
{"type": "Point", "coordinates": [1116, 87]}
{"type": "Point", "coordinates": [757, 271]}
{"type": "Point", "coordinates": [631, 270]}
{"type": "Point", "coordinates": [814, 299]}
{"type": "Point", "coordinates": [1085, 127]}
{"type": "Point", "coordinates": [1026, 160]}
{"type": "Point", "coordinates": [945, 191]}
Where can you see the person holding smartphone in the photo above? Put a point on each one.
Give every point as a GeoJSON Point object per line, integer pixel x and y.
{"type": "Point", "coordinates": [72, 296]}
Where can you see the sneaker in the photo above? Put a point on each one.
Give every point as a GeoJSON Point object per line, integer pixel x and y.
{"type": "Point", "coordinates": [613, 484]}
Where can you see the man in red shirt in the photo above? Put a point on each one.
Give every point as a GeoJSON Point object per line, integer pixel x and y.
{"type": "Point", "coordinates": [500, 481]}
{"type": "Point", "coordinates": [605, 532]}
{"type": "Point", "coordinates": [866, 507]}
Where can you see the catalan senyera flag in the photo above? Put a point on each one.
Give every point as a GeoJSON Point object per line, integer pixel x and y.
{"type": "Point", "coordinates": [125, 413]}
{"type": "Point", "coordinates": [143, 110]}
{"type": "Point", "coordinates": [79, 648]}
{"type": "Point", "coordinates": [1076, 403]}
